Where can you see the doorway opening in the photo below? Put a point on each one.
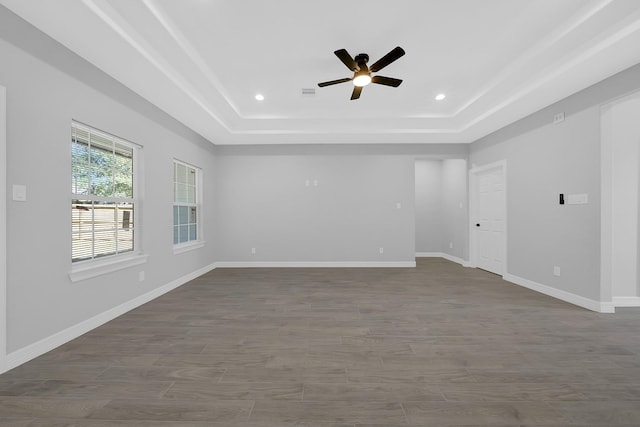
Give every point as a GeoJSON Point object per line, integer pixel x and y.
{"type": "Point", "coordinates": [441, 209]}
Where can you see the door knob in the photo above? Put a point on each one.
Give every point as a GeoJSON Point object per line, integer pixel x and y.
{"type": "Point", "coordinates": [477, 225]}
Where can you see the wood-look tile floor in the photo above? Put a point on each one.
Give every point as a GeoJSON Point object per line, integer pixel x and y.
{"type": "Point", "coordinates": [437, 345]}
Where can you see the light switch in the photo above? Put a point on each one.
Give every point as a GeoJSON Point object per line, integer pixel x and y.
{"type": "Point", "coordinates": [20, 193]}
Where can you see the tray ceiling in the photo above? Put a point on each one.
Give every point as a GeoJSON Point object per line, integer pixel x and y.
{"type": "Point", "coordinates": [203, 61]}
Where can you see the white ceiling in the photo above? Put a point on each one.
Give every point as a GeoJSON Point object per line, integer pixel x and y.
{"type": "Point", "coordinates": [203, 61]}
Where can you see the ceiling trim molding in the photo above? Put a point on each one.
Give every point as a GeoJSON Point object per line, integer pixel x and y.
{"type": "Point", "coordinates": [117, 24]}
{"type": "Point", "coordinates": [181, 40]}
{"type": "Point", "coordinates": [570, 25]}
{"type": "Point", "coordinates": [347, 131]}
{"type": "Point", "coordinates": [560, 69]}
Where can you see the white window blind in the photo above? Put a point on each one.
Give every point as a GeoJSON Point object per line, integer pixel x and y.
{"type": "Point", "coordinates": [102, 187]}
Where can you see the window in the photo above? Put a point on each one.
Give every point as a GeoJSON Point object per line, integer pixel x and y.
{"type": "Point", "coordinates": [103, 190]}
{"type": "Point", "coordinates": [186, 199]}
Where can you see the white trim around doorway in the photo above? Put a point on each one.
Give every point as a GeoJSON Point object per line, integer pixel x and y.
{"type": "Point", "coordinates": [3, 229]}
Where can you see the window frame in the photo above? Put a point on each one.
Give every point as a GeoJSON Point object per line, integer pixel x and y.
{"type": "Point", "coordinates": [98, 265]}
{"type": "Point", "coordinates": [199, 242]}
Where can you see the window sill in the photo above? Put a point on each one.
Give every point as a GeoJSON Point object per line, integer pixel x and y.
{"type": "Point", "coordinates": [89, 269]}
{"type": "Point", "coordinates": [186, 247]}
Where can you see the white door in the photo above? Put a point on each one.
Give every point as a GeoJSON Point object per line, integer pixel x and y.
{"type": "Point", "coordinates": [489, 225]}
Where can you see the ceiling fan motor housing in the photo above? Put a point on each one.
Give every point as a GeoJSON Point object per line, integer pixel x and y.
{"type": "Point", "coordinates": [361, 58]}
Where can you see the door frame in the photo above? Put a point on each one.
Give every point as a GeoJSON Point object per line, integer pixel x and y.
{"type": "Point", "coordinates": [3, 229]}
{"type": "Point", "coordinates": [473, 208]}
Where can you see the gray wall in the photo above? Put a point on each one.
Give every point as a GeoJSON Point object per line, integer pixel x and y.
{"type": "Point", "coordinates": [429, 212]}
{"type": "Point", "coordinates": [455, 225]}
{"type": "Point", "coordinates": [47, 87]}
{"type": "Point", "coordinates": [264, 202]}
{"type": "Point", "coordinates": [543, 160]}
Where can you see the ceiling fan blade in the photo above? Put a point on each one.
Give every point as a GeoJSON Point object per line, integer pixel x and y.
{"type": "Point", "coordinates": [346, 59]}
{"type": "Point", "coordinates": [396, 53]}
{"type": "Point", "coordinates": [356, 92]}
{"type": "Point", "coordinates": [387, 81]}
{"type": "Point", "coordinates": [334, 82]}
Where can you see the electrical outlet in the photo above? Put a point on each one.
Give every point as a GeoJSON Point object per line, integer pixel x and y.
{"type": "Point", "coordinates": [381, 251]}
{"type": "Point", "coordinates": [558, 118]}
{"type": "Point", "coordinates": [556, 271]}
{"type": "Point", "coordinates": [141, 276]}
{"type": "Point", "coordinates": [253, 251]}
{"type": "Point", "coordinates": [19, 193]}
{"type": "Point", "coordinates": [450, 245]}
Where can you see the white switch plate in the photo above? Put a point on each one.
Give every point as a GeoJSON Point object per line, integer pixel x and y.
{"type": "Point", "coordinates": [577, 199]}
{"type": "Point", "coordinates": [19, 193]}
{"type": "Point", "coordinates": [556, 271]}
{"type": "Point", "coordinates": [398, 205]}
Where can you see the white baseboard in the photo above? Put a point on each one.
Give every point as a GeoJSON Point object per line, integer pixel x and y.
{"type": "Point", "coordinates": [315, 264]}
{"type": "Point", "coordinates": [599, 306]}
{"type": "Point", "coordinates": [626, 301]}
{"type": "Point", "coordinates": [36, 349]}
{"type": "Point", "coordinates": [443, 255]}
{"type": "Point", "coordinates": [455, 259]}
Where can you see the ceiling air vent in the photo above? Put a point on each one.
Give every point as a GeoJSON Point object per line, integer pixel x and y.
{"type": "Point", "coordinates": [308, 91]}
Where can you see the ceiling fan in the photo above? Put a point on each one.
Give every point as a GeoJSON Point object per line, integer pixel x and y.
{"type": "Point", "coordinates": [362, 73]}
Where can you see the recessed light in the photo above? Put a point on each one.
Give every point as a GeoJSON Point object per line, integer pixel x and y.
{"type": "Point", "coordinates": [440, 96]}
{"type": "Point", "coordinates": [259, 97]}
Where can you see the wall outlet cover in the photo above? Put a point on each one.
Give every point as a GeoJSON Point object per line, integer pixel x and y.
{"type": "Point", "coordinates": [558, 118]}
{"type": "Point", "coordinates": [19, 193]}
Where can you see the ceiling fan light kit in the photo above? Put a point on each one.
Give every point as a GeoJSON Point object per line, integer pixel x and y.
{"type": "Point", "coordinates": [361, 79]}
{"type": "Point", "coordinates": [362, 73]}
